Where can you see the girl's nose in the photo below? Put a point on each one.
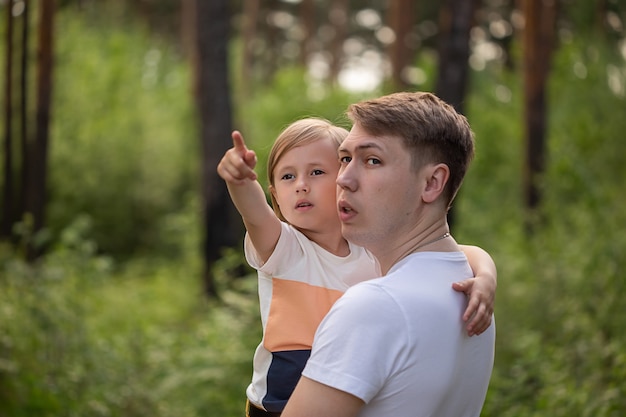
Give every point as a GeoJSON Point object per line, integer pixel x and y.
{"type": "Point", "coordinates": [302, 186]}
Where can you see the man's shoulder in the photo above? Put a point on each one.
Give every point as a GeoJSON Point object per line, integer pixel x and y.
{"type": "Point", "coordinates": [371, 294]}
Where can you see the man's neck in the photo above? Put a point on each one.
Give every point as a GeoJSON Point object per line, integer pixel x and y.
{"type": "Point", "coordinates": [435, 237]}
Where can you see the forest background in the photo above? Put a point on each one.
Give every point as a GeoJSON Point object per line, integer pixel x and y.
{"type": "Point", "coordinates": [112, 316]}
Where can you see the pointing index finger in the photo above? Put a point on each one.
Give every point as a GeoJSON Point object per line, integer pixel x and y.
{"type": "Point", "coordinates": [241, 150]}
{"type": "Point", "coordinates": [238, 143]}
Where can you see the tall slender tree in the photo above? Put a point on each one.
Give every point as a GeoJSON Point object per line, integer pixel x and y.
{"type": "Point", "coordinates": [338, 18]}
{"type": "Point", "coordinates": [456, 18]}
{"type": "Point", "coordinates": [272, 58]}
{"type": "Point", "coordinates": [8, 196]}
{"type": "Point", "coordinates": [308, 19]}
{"type": "Point", "coordinates": [27, 201]}
{"type": "Point", "coordinates": [222, 227]}
{"type": "Point", "coordinates": [401, 18]}
{"type": "Point", "coordinates": [538, 44]}
{"type": "Point", "coordinates": [249, 19]}
{"type": "Point", "coordinates": [38, 148]}
{"type": "Point", "coordinates": [25, 144]}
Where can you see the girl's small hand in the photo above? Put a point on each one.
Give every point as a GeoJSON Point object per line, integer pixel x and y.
{"type": "Point", "coordinates": [237, 164]}
{"type": "Point", "coordinates": [479, 312]}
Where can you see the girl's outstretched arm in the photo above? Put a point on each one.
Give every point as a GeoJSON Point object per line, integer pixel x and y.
{"type": "Point", "coordinates": [237, 169]}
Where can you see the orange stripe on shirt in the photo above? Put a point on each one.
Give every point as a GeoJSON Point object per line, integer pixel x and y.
{"type": "Point", "coordinates": [295, 313]}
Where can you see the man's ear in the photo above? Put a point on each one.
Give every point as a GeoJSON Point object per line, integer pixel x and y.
{"type": "Point", "coordinates": [437, 178]}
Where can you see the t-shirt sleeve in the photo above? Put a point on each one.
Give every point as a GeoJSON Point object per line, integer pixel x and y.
{"type": "Point", "coordinates": [288, 248]}
{"type": "Point", "coordinates": [359, 343]}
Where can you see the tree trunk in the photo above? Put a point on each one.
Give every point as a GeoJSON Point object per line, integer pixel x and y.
{"type": "Point", "coordinates": [8, 197]}
{"type": "Point", "coordinates": [25, 145]}
{"type": "Point", "coordinates": [307, 17]}
{"type": "Point", "coordinates": [249, 32]}
{"type": "Point", "coordinates": [401, 17]}
{"type": "Point", "coordinates": [538, 44]}
{"type": "Point", "coordinates": [601, 9]}
{"type": "Point", "coordinates": [38, 155]}
{"type": "Point", "coordinates": [221, 223]}
{"type": "Point", "coordinates": [455, 22]}
{"type": "Point", "coordinates": [338, 17]}
{"type": "Point", "coordinates": [272, 56]}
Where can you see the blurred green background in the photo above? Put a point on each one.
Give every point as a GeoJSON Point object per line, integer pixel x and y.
{"type": "Point", "coordinates": [112, 321]}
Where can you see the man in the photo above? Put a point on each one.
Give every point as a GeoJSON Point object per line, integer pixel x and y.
{"type": "Point", "coordinates": [395, 346]}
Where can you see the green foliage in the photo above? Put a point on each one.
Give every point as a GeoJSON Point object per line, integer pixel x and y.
{"type": "Point", "coordinates": [122, 136]}
{"type": "Point", "coordinates": [81, 336]}
{"type": "Point", "coordinates": [561, 339]}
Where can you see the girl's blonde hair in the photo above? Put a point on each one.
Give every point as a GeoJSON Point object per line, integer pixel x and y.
{"type": "Point", "coordinates": [299, 133]}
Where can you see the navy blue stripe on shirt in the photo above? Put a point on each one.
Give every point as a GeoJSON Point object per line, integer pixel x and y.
{"type": "Point", "coordinates": [282, 377]}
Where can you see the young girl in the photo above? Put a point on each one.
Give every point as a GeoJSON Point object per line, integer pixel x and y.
{"type": "Point", "coordinates": [304, 264]}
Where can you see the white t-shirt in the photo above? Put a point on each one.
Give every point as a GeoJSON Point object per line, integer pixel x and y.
{"type": "Point", "coordinates": [399, 342]}
{"type": "Point", "coordinates": [298, 285]}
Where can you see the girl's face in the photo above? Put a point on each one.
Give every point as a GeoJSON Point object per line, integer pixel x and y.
{"type": "Point", "coordinates": [305, 186]}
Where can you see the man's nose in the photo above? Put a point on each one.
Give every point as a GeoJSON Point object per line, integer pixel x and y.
{"type": "Point", "coordinates": [346, 179]}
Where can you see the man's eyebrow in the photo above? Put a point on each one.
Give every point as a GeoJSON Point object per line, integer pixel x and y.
{"type": "Point", "coordinates": [363, 146]}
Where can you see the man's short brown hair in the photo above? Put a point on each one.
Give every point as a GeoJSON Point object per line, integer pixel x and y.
{"type": "Point", "coordinates": [429, 127]}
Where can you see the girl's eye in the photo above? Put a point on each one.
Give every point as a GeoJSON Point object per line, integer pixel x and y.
{"type": "Point", "coordinates": [317, 172]}
{"type": "Point", "coordinates": [373, 161]}
{"type": "Point", "coordinates": [287, 177]}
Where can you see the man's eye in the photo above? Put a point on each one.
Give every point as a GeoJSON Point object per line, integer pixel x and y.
{"type": "Point", "coordinates": [373, 161]}
{"type": "Point", "coordinates": [345, 159]}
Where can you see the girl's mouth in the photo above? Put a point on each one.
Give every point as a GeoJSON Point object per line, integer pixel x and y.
{"type": "Point", "coordinates": [303, 204]}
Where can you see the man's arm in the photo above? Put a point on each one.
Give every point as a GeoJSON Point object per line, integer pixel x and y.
{"type": "Point", "coordinates": [481, 289]}
{"type": "Point", "coordinates": [313, 399]}
{"type": "Point", "coordinates": [237, 169]}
